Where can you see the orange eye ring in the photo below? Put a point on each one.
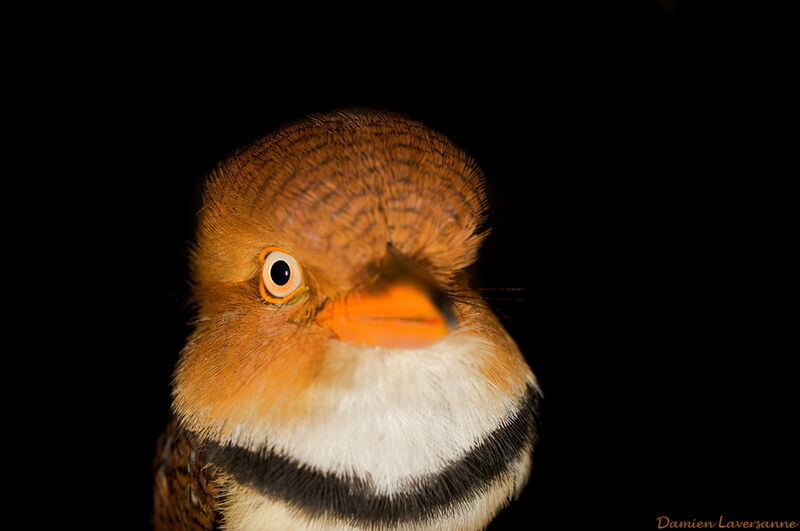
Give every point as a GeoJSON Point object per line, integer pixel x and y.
{"type": "Point", "coordinates": [281, 275]}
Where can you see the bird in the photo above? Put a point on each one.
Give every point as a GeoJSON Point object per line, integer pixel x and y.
{"type": "Point", "coordinates": [341, 371]}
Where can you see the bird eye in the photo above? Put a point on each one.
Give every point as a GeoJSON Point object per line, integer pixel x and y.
{"type": "Point", "coordinates": [281, 275]}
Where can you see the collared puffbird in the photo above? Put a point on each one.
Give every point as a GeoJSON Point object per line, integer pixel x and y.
{"type": "Point", "coordinates": [341, 372]}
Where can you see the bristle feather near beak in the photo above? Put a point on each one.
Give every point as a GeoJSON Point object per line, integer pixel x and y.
{"type": "Point", "coordinates": [402, 306]}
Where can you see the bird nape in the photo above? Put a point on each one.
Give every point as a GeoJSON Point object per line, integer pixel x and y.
{"type": "Point", "coordinates": [341, 373]}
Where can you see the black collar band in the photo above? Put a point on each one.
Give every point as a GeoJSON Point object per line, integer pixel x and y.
{"type": "Point", "coordinates": [353, 499]}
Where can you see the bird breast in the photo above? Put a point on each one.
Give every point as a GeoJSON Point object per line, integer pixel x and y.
{"type": "Point", "coordinates": [402, 414]}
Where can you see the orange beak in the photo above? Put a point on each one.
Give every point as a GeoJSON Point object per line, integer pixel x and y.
{"type": "Point", "coordinates": [401, 308]}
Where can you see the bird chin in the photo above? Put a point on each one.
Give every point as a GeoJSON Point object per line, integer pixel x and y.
{"type": "Point", "coordinates": [404, 418]}
{"type": "Point", "coordinates": [394, 402]}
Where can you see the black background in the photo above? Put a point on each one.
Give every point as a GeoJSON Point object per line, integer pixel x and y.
{"type": "Point", "coordinates": [629, 204]}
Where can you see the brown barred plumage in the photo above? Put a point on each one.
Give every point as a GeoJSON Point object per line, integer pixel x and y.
{"type": "Point", "coordinates": [185, 496]}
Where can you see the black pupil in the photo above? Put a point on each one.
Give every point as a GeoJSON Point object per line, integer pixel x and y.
{"type": "Point", "coordinates": [280, 272]}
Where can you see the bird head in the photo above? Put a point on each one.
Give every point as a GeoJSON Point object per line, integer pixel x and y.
{"type": "Point", "coordinates": [329, 280]}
